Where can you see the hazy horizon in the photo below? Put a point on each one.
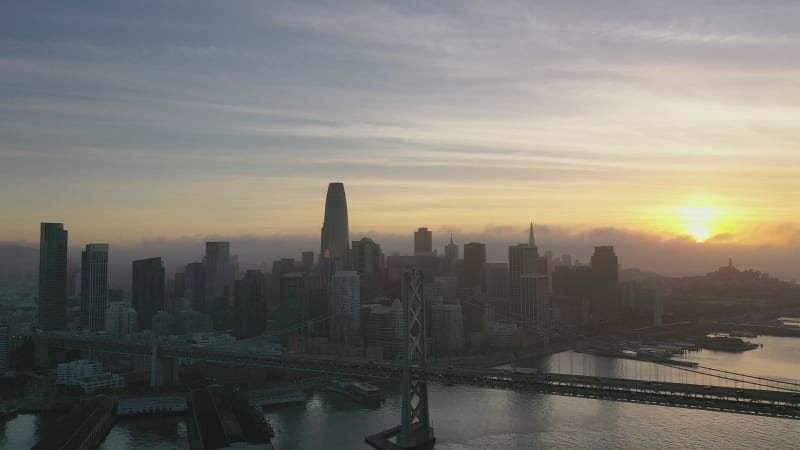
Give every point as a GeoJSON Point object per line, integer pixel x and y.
{"type": "Point", "coordinates": [675, 257]}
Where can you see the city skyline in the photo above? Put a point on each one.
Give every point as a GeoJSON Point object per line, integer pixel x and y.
{"type": "Point", "coordinates": [686, 131]}
{"type": "Point", "coordinates": [668, 257]}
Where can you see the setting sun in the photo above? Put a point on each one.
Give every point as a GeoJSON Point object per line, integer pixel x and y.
{"type": "Point", "coordinates": [699, 222]}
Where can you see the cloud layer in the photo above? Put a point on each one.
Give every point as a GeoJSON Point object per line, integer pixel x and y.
{"type": "Point", "coordinates": [195, 118]}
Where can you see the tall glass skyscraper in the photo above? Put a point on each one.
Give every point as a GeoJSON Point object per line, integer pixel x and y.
{"type": "Point", "coordinates": [52, 276]}
{"type": "Point", "coordinates": [94, 286]}
{"type": "Point", "coordinates": [335, 240]}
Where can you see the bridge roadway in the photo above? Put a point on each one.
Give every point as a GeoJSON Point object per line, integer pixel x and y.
{"type": "Point", "coordinates": [717, 398]}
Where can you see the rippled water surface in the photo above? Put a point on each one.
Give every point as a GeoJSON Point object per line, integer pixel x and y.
{"type": "Point", "coordinates": [471, 418]}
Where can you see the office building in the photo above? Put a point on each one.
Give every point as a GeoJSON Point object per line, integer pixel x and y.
{"type": "Point", "coordinates": [496, 276]}
{"type": "Point", "coordinates": [335, 236]}
{"type": "Point", "coordinates": [88, 375]}
{"type": "Point", "coordinates": [218, 275]}
{"type": "Point", "coordinates": [423, 242]}
{"type": "Point", "coordinates": [147, 290]}
{"type": "Point", "coordinates": [523, 259]}
{"type": "Point", "coordinates": [293, 303]}
{"type": "Point", "coordinates": [447, 329]}
{"type": "Point", "coordinates": [449, 286]}
{"type": "Point", "coordinates": [346, 319]}
{"type": "Point", "coordinates": [52, 276]}
{"type": "Point", "coordinates": [605, 284]}
{"type": "Point", "coordinates": [347, 294]}
{"type": "Point", "coordinates": [163, 323]}
{"type": "Point", "coordinates": [368, 262]}
{"type": "Point", "coordinates": [307, 260]}
{"type": "Point", "coordinates": [534, 299]}
{"type": "Point", "coordinates": [94, 286]}
{"type": "Point", "coordinates": [383, 329]}
{"type": "Point", "coordinates": [250, 304]}
{"type": "Point", "coordinates": [451, 250]}
{"type": "Point", "coordinates": [194, 275]}
{"type": "Point", "coordinates": [121, 320]}
{"type": "Point", "coordinates": [474, 261]}
{"type": "Point", "coordinates": [69, 372]}
{"type": "Point", "coordinates": [566, 259]}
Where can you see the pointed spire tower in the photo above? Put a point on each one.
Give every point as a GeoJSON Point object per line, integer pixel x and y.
{"type": "Point", "coordinates": [451, 250]}
{"type": "Point", "coordinates": [532, 240]}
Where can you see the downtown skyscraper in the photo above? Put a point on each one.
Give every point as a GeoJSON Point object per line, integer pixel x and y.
{"type": "Point", "coordinates": [335, 239]}
{"type": "Point", "coordinates": [523, 259]}
{"type": "Point", "coordinates": [94, 286]}
{"type": "Point", "coordinates": [52, 276]}
{"type": "Point", "coordinates": [218, 275]}
{"type": "Point", "coordinates": [605, 284]}
{"type": "Point", "coordinates": [147, 290]}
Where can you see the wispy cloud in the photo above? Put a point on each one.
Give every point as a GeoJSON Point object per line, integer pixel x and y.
{"type": "Point", "coordinates": [586, 115]}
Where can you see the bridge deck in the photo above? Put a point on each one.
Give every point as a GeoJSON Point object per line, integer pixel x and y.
{"type": "Point", "coordinates": [719, 398]}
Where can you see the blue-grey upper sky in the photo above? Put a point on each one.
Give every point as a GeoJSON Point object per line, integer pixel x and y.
{"type": "Point", "coordinates": [148, 119]}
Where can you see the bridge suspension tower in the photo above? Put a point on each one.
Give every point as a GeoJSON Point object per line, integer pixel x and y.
{"type": "Point", "coordinates": [415, 430]}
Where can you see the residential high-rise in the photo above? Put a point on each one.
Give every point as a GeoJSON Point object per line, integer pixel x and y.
{"type": "Point", "coordinates": [94, 286]}
{"type": "Point", "coordinates": [605, 284]}
{"type": "Point", "coordinates": [423, 242]}
{"type": "Point", "coordinates": [52, 276]}
{"type": "Point", "coordinates": [474, 260]}
{"type": "Point", "coordinates": [121, 320]}
{"type": "Point", "coordinates": [147, 290]}
{"type": "Point", "coordinates": [250, 304]}
{"type": "Point", "coordinates": [218, 274]}
{"type": "Point", "coordinates": [335, 228]}
{"type": "Point", "coordinates": [523, 259]}
{"type": "Point", "coordinates": [451, 250]}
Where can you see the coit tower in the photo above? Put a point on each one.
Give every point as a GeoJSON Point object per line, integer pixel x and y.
{"type": "Point", "coordinates": [335, 229]}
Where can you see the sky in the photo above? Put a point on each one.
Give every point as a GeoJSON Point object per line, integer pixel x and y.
{"type": "Point", "coordinates": [643, 123]}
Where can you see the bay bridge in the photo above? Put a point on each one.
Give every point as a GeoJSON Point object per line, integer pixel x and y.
{"type": "Point", "coordinates": [700, 387]}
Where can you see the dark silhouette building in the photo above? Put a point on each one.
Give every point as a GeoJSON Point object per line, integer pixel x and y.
{"type": "Point", "coordinates": [368, 262]}
{"type": "Point", "coordinates": [52, 276]}
{"type": "Point", "coordinates": [605, 284]}
{"type": "Point", "coordinates": [307, 259]}
{"type": "Point", "coordinates": [474, 262]}
{"type": "Point", "coordinates": [423, 242]}
{"type": "Point", "coordinates": [194, 275]}
{"type": "Point", "coordinates": [293, 307]}
{"type": "Point", "coordinates": [451, 250]}
{"type": "Point", "coordinates": [335, 228]}
{"type": "Point", "coordinates": [94, 286]}
{"type": "Point", "coordinates": [250, 303]}
{"type": "Point", "coordinates": [496, 276]}
{"type": "Point", "coordinates": [218, 274]}
{"type": "Point", "coordinates": [147, 290]}
{"type": "Point", "coordinates": [523, 259]}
